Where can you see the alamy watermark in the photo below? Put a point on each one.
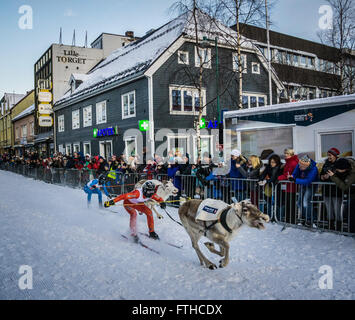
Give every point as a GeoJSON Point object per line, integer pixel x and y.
{"type": "Point", "coordinates": [26, 280]}
{"type": "Point", "coordinates": [26, 20]}
{"type": "Point", "coordinates": [325, 22]}
{"type": "Point", "coordinates": [326, 280]}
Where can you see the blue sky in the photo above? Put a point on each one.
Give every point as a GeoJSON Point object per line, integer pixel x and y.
{"type": "Point", "coordinates": [21, 48]}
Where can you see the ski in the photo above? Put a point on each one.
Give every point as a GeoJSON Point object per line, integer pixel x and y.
{"type": "Point", "coordinates": [166, 242]}
{"type": "Point", "coordinates": [142, 244]}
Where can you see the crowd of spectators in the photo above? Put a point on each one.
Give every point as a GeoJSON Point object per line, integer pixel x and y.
{"type": "Point", "coordinates": [242, 177]}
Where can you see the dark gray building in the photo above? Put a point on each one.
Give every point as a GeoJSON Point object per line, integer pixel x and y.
{"type": "Point", "coordinates": [155, 79]}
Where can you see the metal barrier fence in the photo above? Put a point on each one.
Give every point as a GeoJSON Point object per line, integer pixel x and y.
{"type": "Point", "coordinates": [321, 206]}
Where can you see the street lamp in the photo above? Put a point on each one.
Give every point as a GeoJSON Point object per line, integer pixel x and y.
{"type": "Point", "coordinates": [205, 43]}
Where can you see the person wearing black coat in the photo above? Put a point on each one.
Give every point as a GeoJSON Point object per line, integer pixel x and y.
{"type": "Point", "coordinates": [268, 179]}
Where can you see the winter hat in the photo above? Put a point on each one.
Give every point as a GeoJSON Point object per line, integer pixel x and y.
{"type": "Point", "coordinates": [342, 164]}
{"type": "Point", "coordinates": [305, 158]}
{"type": "Point", "coordinates": [236, 153]}
{"type": "Point", "coordinates": [334, 151]}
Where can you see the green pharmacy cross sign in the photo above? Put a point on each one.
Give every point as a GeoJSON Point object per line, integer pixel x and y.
{"type": "Point", "coordinates": [143, 125]}
{"type": "Point", "coordinates": [203, 123]}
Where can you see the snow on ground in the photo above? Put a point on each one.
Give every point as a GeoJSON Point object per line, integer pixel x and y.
{"type": "Point", "coordinates": [76, 253]}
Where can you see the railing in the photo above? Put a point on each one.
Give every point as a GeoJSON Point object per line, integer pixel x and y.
{"type": "Point", "coordinates": [321, 206]}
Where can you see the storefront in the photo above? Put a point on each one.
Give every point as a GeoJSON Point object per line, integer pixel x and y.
{"type": "Point", "coordinates": [309, 127]}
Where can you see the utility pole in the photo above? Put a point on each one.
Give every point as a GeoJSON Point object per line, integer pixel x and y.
{"type": "Point", "coordinates": [268, 52]}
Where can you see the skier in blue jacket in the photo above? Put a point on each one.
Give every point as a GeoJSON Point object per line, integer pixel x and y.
{"type": "Point", "coordinates": [94, 186]}
{"type": "Point", "coordinates": [304, 174]}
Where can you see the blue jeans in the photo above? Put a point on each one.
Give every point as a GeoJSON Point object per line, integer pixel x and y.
{"type": "Point", "coordinates": [91, 192]}
{"type": "Point", "coordinates": [304, 203]}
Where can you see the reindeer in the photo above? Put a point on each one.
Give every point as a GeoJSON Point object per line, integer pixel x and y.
{"type": "Point", "coordinates": [164, 189]}
{"type": "Point", "coordinates": [220, 231]}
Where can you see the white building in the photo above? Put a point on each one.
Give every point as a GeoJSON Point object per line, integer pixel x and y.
{"type": "Point", "coordinates": [311, 127]}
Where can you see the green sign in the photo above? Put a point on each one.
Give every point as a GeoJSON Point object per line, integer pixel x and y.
{"type": "Point", "coordinates": [143, 125]}
{"type": "Point", "coordinates": [203, 123]}
{"type": "Point", "coordinates": [95, 132]}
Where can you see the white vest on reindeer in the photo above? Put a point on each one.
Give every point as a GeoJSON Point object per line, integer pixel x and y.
{"type": "Point", "coordinates": [210, 210]}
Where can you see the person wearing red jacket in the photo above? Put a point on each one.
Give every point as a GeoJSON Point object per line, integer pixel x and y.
{"type": "Point", "coordinates": [94, 163]}
{"type": "Point", "coordinates": [134, 201]}
{"type": "Point", "coordinates": [288, 195]}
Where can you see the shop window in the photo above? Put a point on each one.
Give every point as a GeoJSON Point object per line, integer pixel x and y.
{"type": "Point", "coordinates": [87, 148]}
{"type": "Point", "coordinates": [255, 141]}
{"type": "Point", "coordinates": [130, 146]}
{"type": "Point", "coordinates": [343, 141]}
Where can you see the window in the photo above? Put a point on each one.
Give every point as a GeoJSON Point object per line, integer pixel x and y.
{"type": "Point", "coordinates": [87, 116]}
{"type": "Point", "coordinates": [101, 112]}
{"type": "Point", "coordinates": [24, 131]}
{"type": "Point", "coordinates": [32, 128]}
{"type": "Point", "coordinates": [288, 58]}
{"type": "Point", "coordinates": [87, 148]}
{"type": "Point", "coordinates": [206, 146]}
{"type": "Point", "coordinates": [129, 105]}
{"type": "Point", "coordinates": [255, 68]}
{"type": "Point", "coordinates": [243, 58]}
{"type": "Point", "coordinates": [68, 149]}
{"type": "Point", "coordinates": [186, 100]}
{"type": "Point", "coordinates": [245, 102]}
{"type": "Point", "coordinates": [312, 93]}
{"type": "Point", "coordinates": [178, 145]}
{"type": "Point", "coordinates": [76, 147]}
{"type": "Point", "coordinates": [61, 123]}
{"type": "Point", "coordinates": [311, 62]}
{"type": "Point", "coordinates": [261, 101]}
{"type": "Point", "coordinates": [76, 119]}
{"type": "Point", "coordinates": [295, 60]}
{"type": "Point", "coordinates": [277, 139]}
{"type": "Point", "coordinates": [303, 61]}
{"type": "Point", "coordinates": [343, 141]}
{"type": "Point", "coordinates": [183, 57]}
{"type": "Point", "coordinates": [18, 133]}
{"type": "Point", "coordinates": [176, 100]}
{"type": "Point", "coordinates": [106, 149]}
{"type": "Point", "coordinates": [130, 146]}
{"type": "Point", "coordinates": [205, 55]}
{"type": "Point", "coordinates": [250, 100]}
{"type": "Point", "coordinates": [61, 148]}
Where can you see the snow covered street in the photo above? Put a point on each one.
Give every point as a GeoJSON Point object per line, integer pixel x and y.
{"type": "Point", "coordinates": [76, 253]}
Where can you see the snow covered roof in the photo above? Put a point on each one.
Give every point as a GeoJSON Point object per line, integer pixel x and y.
{"type": "Point", "coordinates": [24, 113]}
{"type": "Point", "coordinates": [322, 102]}
{"type": "Point", "coordinates": [78, 77]}
{"type": "Point", "coordinates": [135, 58]}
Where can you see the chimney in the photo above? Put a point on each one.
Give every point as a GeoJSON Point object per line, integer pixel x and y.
{"type": "Point", "coordinates": [129, 34]}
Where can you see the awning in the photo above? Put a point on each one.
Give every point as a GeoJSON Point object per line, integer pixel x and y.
{"type": "Point", "coordinates": [43, 137]}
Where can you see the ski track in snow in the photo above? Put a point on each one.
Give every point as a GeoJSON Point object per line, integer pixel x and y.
{"type": "Point", "coordinates": [76, 253]}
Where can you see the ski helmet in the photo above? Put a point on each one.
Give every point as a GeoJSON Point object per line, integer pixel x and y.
{"type": "Point", "coordinates": [102, 179]}
{"type": "Point", "coordinates": [148, 189]}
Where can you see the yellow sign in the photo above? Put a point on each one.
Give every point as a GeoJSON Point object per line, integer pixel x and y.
{"type": "Point", "coordinates": [45, 121]}
{"type": "Point", "coordinates": [44, 96]}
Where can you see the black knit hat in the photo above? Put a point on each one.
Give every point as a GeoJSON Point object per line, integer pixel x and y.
{"type": "Point", "coordinates": [342, 164]}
